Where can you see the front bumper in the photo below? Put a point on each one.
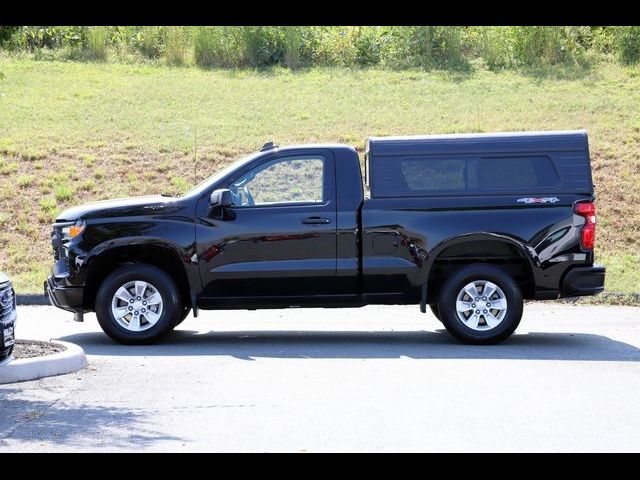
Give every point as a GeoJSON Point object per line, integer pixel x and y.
{"type": "Point", "coordinates": [63, 296]}
{"type": "Point", "coordinates": [584, 281]}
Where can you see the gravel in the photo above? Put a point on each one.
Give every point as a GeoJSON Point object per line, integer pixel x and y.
{"type": "Point", "coordinates": [30, 349]}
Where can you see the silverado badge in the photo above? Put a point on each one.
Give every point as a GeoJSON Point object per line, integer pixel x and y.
{"type": "Point", "coordinates": [538, 200]}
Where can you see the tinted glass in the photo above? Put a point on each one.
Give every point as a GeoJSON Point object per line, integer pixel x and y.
{"type": "Point", "coordinates": [440, 174]}
{"type": "Point", "coordinates": [395, 177]}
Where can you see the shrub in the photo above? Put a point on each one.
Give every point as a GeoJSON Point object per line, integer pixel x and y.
{"type": "Point", "coordinates": [367, 45]}
{"type": "Point", "coordinates": [292, 47]}
{"type": "Point", "coordinates": [214, 47]}
{"type": "Point", "coordinates": [334, 47]}
{"type": "Point", "coordinates": [150, 41]}
{"type": "Point", "coordinates": [427, 47]}
{"type": "Point", "coordinates": [175, 47]}
{"type": "Point", "coordinates": [305, 39]}
{"type": "Point", "coordinates": [39, 37]}
{"type": "Point", "coordinates": [449, 47]}
{"type": "Point", "coordinates": [36, 37]}
{"type": "Point", "coordinates": [628, 44]}
{"type": "Point", "coordinates": [261, 46]}
{"type": "Point", "coordinates": [97, 43]}
{"type": "Point", "coordinates": [535, 45]}
{"type": "Point", "coordinates": [603, 39]}
{"type": "Point", "coordinates": [6, 33]}
{"type": "Point", "coordinates": [204, 47]}
{"type": "Point", "coordinates": [494, 45]}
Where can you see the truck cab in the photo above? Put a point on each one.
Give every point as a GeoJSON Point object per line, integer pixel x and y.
{"type": "Point", "coordinates": [289, 233]}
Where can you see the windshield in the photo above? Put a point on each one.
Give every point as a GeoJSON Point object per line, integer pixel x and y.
{"type": "Point", "coordinates": [203, 186]}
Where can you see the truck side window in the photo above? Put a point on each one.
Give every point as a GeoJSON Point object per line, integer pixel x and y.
{"type": "Point", "coordinates": [283, 180]}
{"type": "Point", "coordinates": [440, 175]}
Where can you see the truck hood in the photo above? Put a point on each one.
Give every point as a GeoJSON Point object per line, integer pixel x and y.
{"type": "Point", "coordinates": [119, 207]}
{"type": "Point", "coordinates": [3, 278]}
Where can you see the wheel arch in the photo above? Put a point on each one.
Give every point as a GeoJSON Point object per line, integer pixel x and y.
{"type": "Point", "coordinates": [161, 255]}
{"type": "Point", "coordinates": [509, 254]}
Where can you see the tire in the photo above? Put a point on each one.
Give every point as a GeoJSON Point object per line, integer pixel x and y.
{"type": "Point", "coordinates": [435, 311]}
{"type": "Point", "coordinates": [183, 316]}
{"type": "Point", "coordinates": [473, 328]}
{"type": "Point", "coordinates": [159, 317]}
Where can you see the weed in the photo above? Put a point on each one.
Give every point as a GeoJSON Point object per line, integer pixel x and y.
{"type": "Point", "coordinates": [88, 160]}
{"type": "Point", "coordinates": [180, 184]}
{"type": "Point", "coordinates": [25, 180]}
{"type": "Point", "coordinates": [63, 192]}
{"type": "Point", "coordinates": [7, 168]}
{"type": "Point", "coordinates": [48, 204]}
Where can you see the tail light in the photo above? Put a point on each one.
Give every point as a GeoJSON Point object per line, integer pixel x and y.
{"type": "Point", "coordinates": [588, 233]}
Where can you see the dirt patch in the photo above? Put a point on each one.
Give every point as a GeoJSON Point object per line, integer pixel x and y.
{"type": "Point", "coordinates": [27, 349]}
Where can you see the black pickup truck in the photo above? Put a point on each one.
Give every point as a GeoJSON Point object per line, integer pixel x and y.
{"type": "Point", "coordinates": [469, 225]}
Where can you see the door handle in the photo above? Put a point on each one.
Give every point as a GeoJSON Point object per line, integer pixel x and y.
{"type": "Point", "coordinates": [316, 221]}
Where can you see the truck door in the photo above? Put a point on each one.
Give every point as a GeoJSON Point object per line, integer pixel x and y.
{"type": "Point", "coordinates": [278, 239]}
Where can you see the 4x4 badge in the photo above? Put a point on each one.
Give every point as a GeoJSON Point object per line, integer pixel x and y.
{"type": "Point", "coordinates": [538, 200]}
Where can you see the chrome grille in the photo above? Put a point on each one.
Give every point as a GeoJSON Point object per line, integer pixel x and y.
{"type": "Point", "coordinates": [6, 311]}
{"type": "Point", "coordinates": [55, 244]}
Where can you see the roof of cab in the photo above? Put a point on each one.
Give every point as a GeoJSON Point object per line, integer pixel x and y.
{"type": "Point", "coordinates": [310, 146]}
{"type": "Point", "coordinates": [479, 142]}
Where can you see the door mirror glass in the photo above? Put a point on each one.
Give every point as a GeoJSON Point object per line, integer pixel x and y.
{"type": "Point", "coordinates": [221, 198]}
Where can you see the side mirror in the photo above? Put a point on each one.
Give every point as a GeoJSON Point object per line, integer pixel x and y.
{"type": "Point", "coordinates": [221, 198]}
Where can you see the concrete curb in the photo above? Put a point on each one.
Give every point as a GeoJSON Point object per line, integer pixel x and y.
{"type": "Point", "coordinates": [69, 360]}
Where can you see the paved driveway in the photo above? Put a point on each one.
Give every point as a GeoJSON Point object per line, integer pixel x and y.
{"type": "Point", "coordinates": [376, 378]}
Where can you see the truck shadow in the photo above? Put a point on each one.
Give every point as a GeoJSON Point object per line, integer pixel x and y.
{"type": "Point", "coordinates": [251, 345]}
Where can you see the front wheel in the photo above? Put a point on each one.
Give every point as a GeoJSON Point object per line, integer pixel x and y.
{"type": "Point", "coordinates": [480, 305]}
{"type": "Point", "coordinates": [435, 311]}
{"type": "Point", "coordinates": [138, 304]}
{"type": "Point", "coordinates": [183, 315]}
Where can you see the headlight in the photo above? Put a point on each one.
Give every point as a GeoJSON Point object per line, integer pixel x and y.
{"type": "Point", "coordinates": [73, 230]}
{"type": "Point", "coordinates": [6, 298]}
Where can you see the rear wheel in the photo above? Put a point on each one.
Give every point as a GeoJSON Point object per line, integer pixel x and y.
{"type": "Point", "coordinates": [138, 304]}
{"type": "Point", "coordinates": [480, 305]}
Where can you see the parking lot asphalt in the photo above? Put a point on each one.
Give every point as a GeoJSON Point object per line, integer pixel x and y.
{"type": "Point", "coordinates": [379, 378]}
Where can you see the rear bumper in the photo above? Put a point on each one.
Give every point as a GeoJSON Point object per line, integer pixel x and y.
{"type": "Point", "coordinates": [63, 296]}
{"type": "Point", "coordinates": [584, 281]}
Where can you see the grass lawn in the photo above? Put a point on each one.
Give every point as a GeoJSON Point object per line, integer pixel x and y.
{"type": "Point", "coordinates": [74, 132]}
